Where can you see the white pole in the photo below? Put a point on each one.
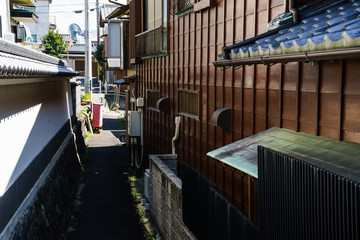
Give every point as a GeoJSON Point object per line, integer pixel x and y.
{"type": "Point", "coordinates": [98, 21]}
{"type": "Point", "coordinates": [88, 58]}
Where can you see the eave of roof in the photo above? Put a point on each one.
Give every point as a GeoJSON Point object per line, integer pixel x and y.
{"type": "Point", "coordinates": [20, 15]}
{"type": "Point", "coordinates": [334, 26]}
{"type": "Point", "coordinates": [27, 3]}
{"type": "Point", "coordinates": [314, 56]}
{"type": "Point", "coordinates": [119, 12]}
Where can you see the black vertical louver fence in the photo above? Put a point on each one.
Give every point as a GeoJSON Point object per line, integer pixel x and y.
{"type": "Point", "coordinates": [208, 214]}
{"type": "Point", "coordinates": [301, 201]}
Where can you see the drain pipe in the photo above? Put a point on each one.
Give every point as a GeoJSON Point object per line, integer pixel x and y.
{"type": "Point", "coordinates": [140, 106]}
{"type": "Point", "coordinates": [176, 137]}
{"type": "Point", "coordinates": [294, 11]}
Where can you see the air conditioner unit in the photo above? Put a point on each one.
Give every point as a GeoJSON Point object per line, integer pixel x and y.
{"type": "Point", "coordinates": [134, 124]}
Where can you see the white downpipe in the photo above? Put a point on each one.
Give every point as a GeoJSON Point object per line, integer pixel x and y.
{"type": "Point", "coordinates": [137, 164]}
{"type": "Point", "coordinates": [141, 127]}
{"type": "Point", "coordinates": [176, 137]}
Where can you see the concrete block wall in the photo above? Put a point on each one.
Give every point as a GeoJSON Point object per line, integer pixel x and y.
{"type": "Point", "coordinates": [166, 199]}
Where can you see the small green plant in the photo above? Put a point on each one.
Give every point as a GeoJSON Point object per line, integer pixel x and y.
{"type": "Point", "coordinates": [122, 122]}
{"type": "Point", "coordinates": [142, 214]}
{"type": "Point", "coordinates": [88, 135]}
{"type": "Point", "coordinates": [134, 194]}
{"type": "Point", "coordinates": [111, 106]}
{"type": "Point", "coordinates": [151, 236]}
{"type": "Point", "coordinates": [85, 97]}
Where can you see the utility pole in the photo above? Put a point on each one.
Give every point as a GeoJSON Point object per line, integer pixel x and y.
{"type": "Point", "coordinates": [98, 32]}
{"type": "Point", "coordinates": [98, 21]}
{"type": "Point", "coordinates": [88, 57]}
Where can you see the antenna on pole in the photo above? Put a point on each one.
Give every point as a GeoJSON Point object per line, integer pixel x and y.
{"type": "Point", "coordinates": [75, 30]}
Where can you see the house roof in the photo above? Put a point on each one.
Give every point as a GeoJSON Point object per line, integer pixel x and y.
{"type": "Point", "coordinates": [66, 37]}
{"type": "Point", "coordinates": [107, 9]}
{"type": "Point", "coordinates": [80, 48]}
{"type": "Point", "coordinates": [29, 3]}
{"type": "Point", "coordinates": [21, 62]}
{"type": "Point", "coordinates": [335, 156]}
{"type": "Point", "coordinates": [329, 26]}
{"type": "Point", "coordinates": [21, 15]}
{"type": "Point", "coordinates": [119, 12]}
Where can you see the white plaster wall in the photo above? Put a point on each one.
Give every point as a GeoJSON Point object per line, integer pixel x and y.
{"type": "Point", "coordinates": [41, 28]}
{"type": "Point", "coordinates": [30, 116]}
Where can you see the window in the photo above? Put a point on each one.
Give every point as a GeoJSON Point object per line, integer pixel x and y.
{"type": "Point", "coordinates": [154, 11]}
{"type": "Point", "coordinates": [189, 103]}
{"type": "Point", "coordinates": [153, 40]}
{"type": "Point", "coordinates": [33, 38]}
{"type": "Point", "coordinates": [180, 6]}
{"type": "Point", "coordinates": [152, 97]}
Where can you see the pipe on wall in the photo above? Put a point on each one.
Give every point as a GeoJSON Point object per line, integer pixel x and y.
{"type": "Point", "coordinates": [176, 137]}
{"type": "Point", "coordinates": [294, 11]}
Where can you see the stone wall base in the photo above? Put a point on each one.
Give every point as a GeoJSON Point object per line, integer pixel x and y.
{"type": "Point", "coordinates": [46, 212]}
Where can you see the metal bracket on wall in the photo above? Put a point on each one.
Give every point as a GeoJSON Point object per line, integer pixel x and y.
{"type": "Point", "coordinates": [163, 104]}
{"type": "Point", "coordinates": [222, 118]}
{"type": "Point", "coordinates": [313, 63]}
{"type": "Point", "coordinates": [265, 63]}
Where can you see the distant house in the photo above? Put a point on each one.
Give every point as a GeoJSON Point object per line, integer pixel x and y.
{"type": "Point", "coordinates": [39, 29]}
{"type": "Point", "coordinates": [115, 37]}
{"type": "Point", "coordinates": [14, 14]}
{"type": "Point", "coordinates": [76, 53]}
{"type": "Point", "coordinates": [229, 75]}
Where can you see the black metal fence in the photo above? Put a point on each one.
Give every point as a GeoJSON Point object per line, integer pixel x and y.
{"type": "Point", "coordinates": [297, 201]}
{"type": "Point", "coordinates": [208, 214]}
{"type": "Point", "coordinates": [301, 201]}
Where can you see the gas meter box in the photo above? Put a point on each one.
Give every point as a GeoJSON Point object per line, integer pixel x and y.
{"type": "Point", "coordinates": [134, 124]}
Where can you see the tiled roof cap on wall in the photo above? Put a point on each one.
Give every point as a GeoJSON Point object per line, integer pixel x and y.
{"type": "Point", "coordinates": [19, 61]}
{"type": "Point", "coordinates": [336, 27]}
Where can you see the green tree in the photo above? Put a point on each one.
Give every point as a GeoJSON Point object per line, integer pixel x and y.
{"type": "Point", "coordinates": [99, 58]}
{"type": "Point", "coordinates": [53, 43]}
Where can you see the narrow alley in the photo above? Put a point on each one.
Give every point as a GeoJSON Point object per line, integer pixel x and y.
{"type": "Point", "coordinates": [107, 210]}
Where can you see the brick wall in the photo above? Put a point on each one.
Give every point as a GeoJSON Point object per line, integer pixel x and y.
{"type": "Point", "coordinates": [166, 199]}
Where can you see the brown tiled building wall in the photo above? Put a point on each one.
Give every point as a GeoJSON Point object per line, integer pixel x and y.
{"type": "Point", "coordinates": [321, 98]}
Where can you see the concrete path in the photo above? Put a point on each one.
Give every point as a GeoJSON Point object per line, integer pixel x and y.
{"type": "Point", "coordinates": [107, 211]}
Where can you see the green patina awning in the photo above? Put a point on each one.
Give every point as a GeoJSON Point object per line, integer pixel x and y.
{"type": "Point", "coordinates": [335, 156]}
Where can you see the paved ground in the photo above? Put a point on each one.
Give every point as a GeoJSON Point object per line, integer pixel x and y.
{"type": "Point", "coordinates": [107, 211]}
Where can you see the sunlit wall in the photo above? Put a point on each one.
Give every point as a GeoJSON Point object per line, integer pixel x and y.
{"type": "Point", "coordinates": [30, 116]}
